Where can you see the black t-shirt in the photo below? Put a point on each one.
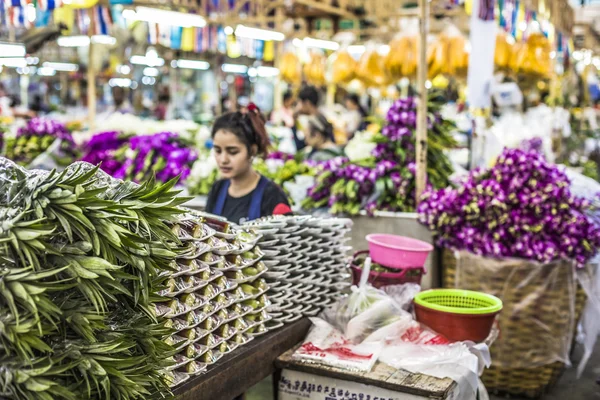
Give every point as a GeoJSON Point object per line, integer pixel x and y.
{"type": "Point", "coordinates": [236, 208]}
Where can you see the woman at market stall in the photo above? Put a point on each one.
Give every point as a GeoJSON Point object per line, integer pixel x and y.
{"type": "Point", "coordinates": [320, 140]}
{"type": "Point", "coordinates": [243, 194]}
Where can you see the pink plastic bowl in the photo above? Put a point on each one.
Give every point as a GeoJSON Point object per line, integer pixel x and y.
{"type": "Point", "coordinates": [394, 251]}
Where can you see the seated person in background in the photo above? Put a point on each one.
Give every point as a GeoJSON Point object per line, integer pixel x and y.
{"type": "Point", "coordinates": [319, 139]}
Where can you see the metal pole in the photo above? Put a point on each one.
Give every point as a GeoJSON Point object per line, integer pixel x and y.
{"type": "Point", "coordinates": [91, 81]}
{"type": "Point", "coordinates": [421, 156]}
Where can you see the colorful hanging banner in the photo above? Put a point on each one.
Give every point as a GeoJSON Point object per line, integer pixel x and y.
{"type": "Point", "coordinates": [42, 17]}
{"type": "Point", "coordinates": [152, 33]}
{"type": "Point", "coordinates": [83, 20]}
{"type": "Point", "coordinates": [66, 16]}
{"type": "Point", "coordinates": [17, 17]}
{"type": "Point", "coordinates": [176, 33]}
{"type": "Point", "coordinates": [48, 5]}
{"type": "Point", "coordinates": [269, 51]}
{"type": "Point", "coordinates": [187, 39]}
{"type": "Point", "coordinates": [102, 20]}
{"type": "Point", "coordinates": [486, 10]}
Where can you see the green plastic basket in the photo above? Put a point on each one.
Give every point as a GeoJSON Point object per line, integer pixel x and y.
{"type": "Point", "coordinates": [459, 301]}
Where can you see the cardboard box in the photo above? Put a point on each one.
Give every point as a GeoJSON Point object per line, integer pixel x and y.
{"type": "Point", "coordinates": [295, 385]}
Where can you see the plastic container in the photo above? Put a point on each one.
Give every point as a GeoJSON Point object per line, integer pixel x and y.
{"type": "Point", "coordinates": [398, 252]}
{"type": "Point", "coordinates": [380, 279]}
{"type": "Point", "coordinates": [458, 314]}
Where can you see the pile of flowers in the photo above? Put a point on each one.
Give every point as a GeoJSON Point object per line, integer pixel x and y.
{"type": "Point", "coordinates": [522, 207]}
{"type": "Point", "coordinates": [385, 180]}
{"type": "Point", "coordinates": [282, 167]}
{"type": "Point", "coordinates": [37, 137]}
{"type": "Point", "coordinates": [102, 150]}
{"type": "Point", "coordinates": [137, 158]}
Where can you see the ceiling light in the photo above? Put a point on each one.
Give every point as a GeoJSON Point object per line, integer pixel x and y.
{"type": "Point", "coordinates": [356, 49]}
{"type": "Point", "coordinates": [159, 16]}
{"type": "Point", "coordinates": [318, 43]}
{"type": "Point", "coordinates": [124, 69]}
{"type": "Point", "coordinates": [84, 41]}
{"type": "Point", "coordinates": [73, 41]}
{"type": "Point", "coordinates": [146, 80]}
{"type": "Point", "coordinates": [384, 49]}
{"type": "Point", "coordinates": [190, 64]}
{"type": "Point", "coordinates": [13, 62]}
{"type": "Point", "coordinates": [151, 71]}
{"type": "Point", "coordinates": [129, 14]}
{"type": "Point", "coordinates": [45, 71]}
{"type": "Point", "coordinates": [258, 34]}
{"type": "Point", "coordinates": [104, 39]}
{"type": "Point", "coordinates": [11, 50]}
{"type": "Point", "coordinates": [234, 68]}
{"type": "Point", "coordinates": [23, 70]}
{"type": "Point", "coordinates": [66, 67]}
{"type": "Point", "coordinates": [120, 82]}
{"type": "Point", "coordinates": [267, 72]}
{"type": "Point", "coordinates": [148, 61]}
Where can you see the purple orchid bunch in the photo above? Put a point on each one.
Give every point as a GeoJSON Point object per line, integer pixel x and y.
{"type": "Point", "coordinates": [533, 144]}
{"type": "Point", "coordinates": [164, 154]}
{"type": "Point", "coordinates": [46, 127]}
{"type": "Point", "coordinates": [37, 137]}
{"type": "Point", "coordinates": [522, 207]}
{"type": "Point", "coordinates": [279, 155]}
{"type": "Point", "coordinates": [102, 149]}
{"type": "Point", "coordinates": [386, 180]}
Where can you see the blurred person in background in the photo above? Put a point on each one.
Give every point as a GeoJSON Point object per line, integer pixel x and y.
{"type": "Point", "coordinates": [308, 106]}
{"type": "Point", "coordinates": [320, 140]}
{"type": "Point", "coordinates": [285, 115]}
{"type": "Point", "coordinates": [355, 117]}
{"type": "Point", "coordinates": [38, 106]}
{"type": "Point", "coordinates": [162, 111]}
{"type": "Point", "coordinates": [121, 102]}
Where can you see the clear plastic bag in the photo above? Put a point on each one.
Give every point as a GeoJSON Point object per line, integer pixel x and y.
{"type": "Point", "coordinates": [365, 311]}
{"type": "Point", "coordinates": [459, 361]}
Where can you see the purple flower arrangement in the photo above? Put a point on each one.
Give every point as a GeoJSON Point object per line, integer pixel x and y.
{"type": "Point", "coordinates": [279, 155]}
{"type": "Point", "coordinates": [384, 181]}
{"type": "Point", "coordinates": [102, 149]}
{"type": "Point", "coordinates": [164, 154]}
{"type": "Point", "coordinates": [533, 144]}
{"type": "Point", "coordinates": [522, 207]}
{"type": "Point", "coordinates": [36, 137]}
{"type": "Point", "coordinates": [136, 158]}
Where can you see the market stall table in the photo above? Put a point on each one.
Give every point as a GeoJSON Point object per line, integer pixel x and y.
{"type": "Point", "coordinates": [383, 382]}
{"type": "Point", "coordinates": [237, 372]}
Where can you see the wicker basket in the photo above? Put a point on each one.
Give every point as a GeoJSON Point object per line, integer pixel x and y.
{"type": "Point", "coordinates": [519, 341]}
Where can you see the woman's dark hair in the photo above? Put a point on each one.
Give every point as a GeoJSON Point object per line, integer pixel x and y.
{"type": "Point", "coordinates": [320, 125]}
{"type": "Point", "coordinates": [287, 95]}
{"type": "Point", "coordinates": [249, 128]}
{"type": "Point", "coordinates": [355, 99]}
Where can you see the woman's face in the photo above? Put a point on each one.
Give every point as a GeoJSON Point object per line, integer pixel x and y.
{"type": "Point", "coordinates": [231, 154]}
